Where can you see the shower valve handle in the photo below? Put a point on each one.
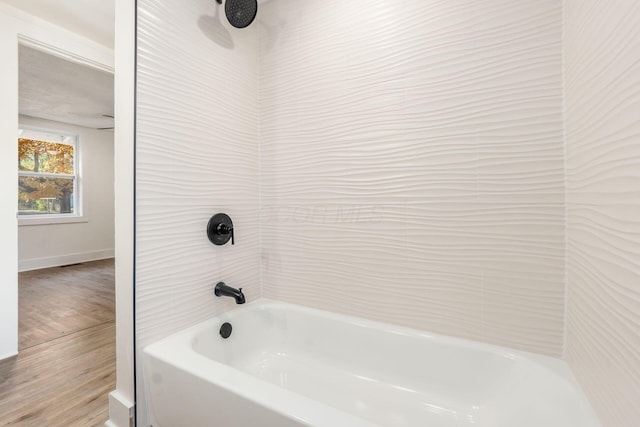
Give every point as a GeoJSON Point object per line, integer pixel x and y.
{"type": "Point", "coordinates": [226, 229]}
{"type": "Point", "coordinates": [220, 229]}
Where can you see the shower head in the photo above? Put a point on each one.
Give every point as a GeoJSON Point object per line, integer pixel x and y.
{"type": "Point", "coordinates": [240, 13]}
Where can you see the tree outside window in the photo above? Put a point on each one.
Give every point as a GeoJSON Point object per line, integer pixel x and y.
{"type": "Point", "coordinates": [47, 177]}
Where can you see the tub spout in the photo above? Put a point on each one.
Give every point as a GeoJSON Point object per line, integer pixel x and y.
{"type": "Point", "coordinates": [222, 289]}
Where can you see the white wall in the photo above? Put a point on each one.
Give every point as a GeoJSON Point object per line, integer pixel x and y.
{"type": "Point", "coordinates": [602, 86]}
{"type": "Point", "coordinates": [412, 164]}
{"type": "Point", "coordinates": [14, 26]}
{"type": "Point", "coordinates": [8, 189]}
{"type": "Point", "coordinates": [197, 155]}
{"type": "Point", "coordinates": [50, 245]}
{"type": "Point", "coordinates": [121, 400]}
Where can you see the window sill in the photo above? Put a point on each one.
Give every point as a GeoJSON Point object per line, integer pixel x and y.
{"type": "Point", "coordinates": [51, 220]}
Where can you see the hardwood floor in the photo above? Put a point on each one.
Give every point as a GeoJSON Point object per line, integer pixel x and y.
{"type": "Point", "coordinates": [57, 301]}
{"type": "Point", "coordinates": [64, 372]}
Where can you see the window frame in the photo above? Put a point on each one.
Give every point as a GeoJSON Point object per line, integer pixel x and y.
{"type": "Point", "coordinates": [78, 201]}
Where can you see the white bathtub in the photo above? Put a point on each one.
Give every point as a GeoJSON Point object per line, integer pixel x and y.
{"type": "Point", "coordinates": [286, 365]}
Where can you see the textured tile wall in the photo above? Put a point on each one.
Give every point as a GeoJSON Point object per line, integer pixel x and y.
{"type": "Point", "coordinates": [197, 154]}
{"type": "Point", "coordinates": [602, 84]}
{"type": "Point", "coordinates": [411, 166]}
{"type": "Point", "coordinates": [412, 163]}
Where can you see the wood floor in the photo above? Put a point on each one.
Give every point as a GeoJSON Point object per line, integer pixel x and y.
{"type": "Point", "coordinates": [66, 365]}
{"type": "Point", "coordinates": [54, 302]}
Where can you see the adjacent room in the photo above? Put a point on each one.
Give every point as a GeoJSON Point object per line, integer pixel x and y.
{"type": "Point", "coordinates": [65, 224]}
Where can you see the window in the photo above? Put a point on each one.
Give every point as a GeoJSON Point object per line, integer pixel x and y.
{"type": "Point", "coordinates": [47, 174]}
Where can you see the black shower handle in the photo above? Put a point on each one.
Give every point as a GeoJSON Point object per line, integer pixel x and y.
{"type": "Point", "coordinates": [226, 229]}
{"type": "Point", "coordinates": [220, 229]}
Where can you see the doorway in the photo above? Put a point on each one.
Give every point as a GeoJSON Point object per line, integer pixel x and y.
{"type": "Point", "coordinates": [66, 281]}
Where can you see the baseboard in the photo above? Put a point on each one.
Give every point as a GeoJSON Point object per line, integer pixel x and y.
{"type": "Point", "coordinates": [56, 261]}
{"type": "Point", "coordinates": [8, 355]}
{"type": "Point", "coordinates": [120, 411]}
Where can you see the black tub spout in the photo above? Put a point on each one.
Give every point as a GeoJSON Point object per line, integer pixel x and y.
{"type": "Point", "coordinates": [222, 290]}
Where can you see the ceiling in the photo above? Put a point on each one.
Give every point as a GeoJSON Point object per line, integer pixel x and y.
{"type": "Point", "coordinates": [93, 19]}
{"type": "Point", "coordinates": [53, 88]}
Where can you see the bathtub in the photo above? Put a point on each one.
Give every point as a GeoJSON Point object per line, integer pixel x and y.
{"type": "Point", "coordinates": [285, 365]}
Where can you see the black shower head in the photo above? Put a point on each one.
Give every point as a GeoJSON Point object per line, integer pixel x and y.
{"type": "Point", "coordinates": [240, 13]}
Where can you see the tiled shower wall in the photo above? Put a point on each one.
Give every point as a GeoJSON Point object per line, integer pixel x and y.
{"type": "Point", "coordinates": [197, 154]}
{"type": "Point", "coordinates": [408, 158]}
{"type": "Point", "coordinates": [412, 163]}
{"type": "Point", "coordinates": [602, 84]}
